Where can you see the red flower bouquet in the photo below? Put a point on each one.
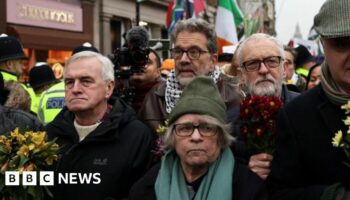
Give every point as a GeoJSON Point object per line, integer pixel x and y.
{"type": "Point", "coordinates": [258, 122]}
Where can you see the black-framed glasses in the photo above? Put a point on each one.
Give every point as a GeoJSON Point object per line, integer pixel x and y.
{"type": "Point", "coordinates": [255, 64]}
{"type": "Point", "coordinates": [192, 53]}
{"type": "Point", "coordinates": [187, 129]}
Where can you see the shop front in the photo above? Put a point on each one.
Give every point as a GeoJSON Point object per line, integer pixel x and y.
{"type": "Point", "coordinates": [48, 30]}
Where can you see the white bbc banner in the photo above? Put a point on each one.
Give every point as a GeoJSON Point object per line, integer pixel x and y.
{"type": "Point", "coordinates": [47, 178]}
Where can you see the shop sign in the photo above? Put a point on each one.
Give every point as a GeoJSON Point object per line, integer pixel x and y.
{"type": "Point", "coordinates": [47, 14]}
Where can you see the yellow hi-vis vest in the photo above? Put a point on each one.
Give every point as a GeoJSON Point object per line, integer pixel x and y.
{"type": "Point", "coordinates": [51, 103]}
{"type": "Point", "coordinates": [34, 99]}
{"type": "Point", "coordinates": [302, 71]}
{"type": "Point", "coordinates": [8, 76]}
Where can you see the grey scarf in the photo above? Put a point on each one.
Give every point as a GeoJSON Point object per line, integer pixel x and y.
{"type": "Point", "coordinates": [334, 94]}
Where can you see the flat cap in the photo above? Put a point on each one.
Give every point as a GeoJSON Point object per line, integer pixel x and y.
{"type": "Point", "coordinates": [333, 19]}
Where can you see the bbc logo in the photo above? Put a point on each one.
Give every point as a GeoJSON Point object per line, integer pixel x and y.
{"type": "Point", "coordinates": [13, 178]}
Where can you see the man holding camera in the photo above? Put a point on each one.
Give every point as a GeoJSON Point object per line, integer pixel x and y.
{"type": "Point", "coordinates": [144, 80]}
{"type": "Point", "coordinates": [195, 55]}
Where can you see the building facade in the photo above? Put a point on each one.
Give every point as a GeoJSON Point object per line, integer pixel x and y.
{"type": "Point", "coordinates": [49, 30]}
{"type": "Point", "coordinates": [50, 27]}
{"type": "Point", "coordinates": [117, 16]}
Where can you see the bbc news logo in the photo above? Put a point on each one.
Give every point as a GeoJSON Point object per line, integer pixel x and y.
{"type": "Point", "coordinates": [47, 178]}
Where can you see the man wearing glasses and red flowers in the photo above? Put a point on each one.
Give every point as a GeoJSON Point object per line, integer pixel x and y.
{"type": "Point", "coordinates": [194, 51]}
{"type": "Point", "coordinates": [261, 60]}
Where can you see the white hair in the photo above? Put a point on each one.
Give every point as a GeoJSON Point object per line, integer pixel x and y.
{"type": "Point", "coordinates": [258, 37]}
{"type": "Point", "coordinates": [107, 65]}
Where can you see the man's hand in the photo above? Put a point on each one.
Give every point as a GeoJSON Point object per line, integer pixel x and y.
{"type": "Point", "coordinates": [260, 164]}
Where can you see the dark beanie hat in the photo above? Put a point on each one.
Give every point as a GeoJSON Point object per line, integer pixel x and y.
{"type": "Point", "coordinates": [40, 75]}
{"type": "Point", "coordinates": [85, 47]}
{"type": "Point", "coordinates": [303, 56]}
{"type": "Point", "coordinates": [10, 48]}
{"type": "Point", "coordinates": [200, 96]}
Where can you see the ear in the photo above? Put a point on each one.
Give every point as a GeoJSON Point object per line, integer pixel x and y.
{"type": "Point", "coordinates": [284, 69]}
{"type": "Point", "coordinates": [109, 89]}
{"type": "Point", "coordinates": [214, 60]}
{"type": "Point", "coordinates": [8, 63]}
{"type": "Point", "coordinates": [158, 72]}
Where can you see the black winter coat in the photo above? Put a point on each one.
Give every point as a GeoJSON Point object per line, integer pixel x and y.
{"type": "Point", "coordinates": [119, 149]}
{"type": "Point", "coordinates": [305, 162]}
{"type": "Point", "coordinates": [11, 118]}
{"type": "Point", "coordinates": [246, 185]}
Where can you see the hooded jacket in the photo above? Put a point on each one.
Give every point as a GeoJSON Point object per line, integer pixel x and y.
{"type": "Point", "coordinates": [118, 149]}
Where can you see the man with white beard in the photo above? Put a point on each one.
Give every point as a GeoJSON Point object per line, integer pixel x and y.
{"type": "Point", "coordinates": [261, 59]}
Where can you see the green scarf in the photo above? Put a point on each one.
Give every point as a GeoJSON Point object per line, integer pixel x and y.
{"type": "Point", "coordinates": [330, 87]}
{"type": "Point", "coordinates": [217, 183]}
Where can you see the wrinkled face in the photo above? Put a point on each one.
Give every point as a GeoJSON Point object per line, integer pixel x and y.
{"type": "Point", "coordinates": [290, 65]}
{"type": "Point", "coordinates": [337, 56]}
{"type": "Point", "coordinates": [185, 68]}
{"type": "Point", "coordinates": [264, 81]}
{"type": "Point", "coordinates": [315, 77]}
{"type": "Point", "coordinates": [85, 88]}
{"type": "Point", "coordinates": [196, 150]}
{"type": "Point", "coordinates": [150, 73]}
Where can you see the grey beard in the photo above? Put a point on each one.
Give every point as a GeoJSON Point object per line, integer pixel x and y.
{"type": "Point", "coordinates": [271, 89]}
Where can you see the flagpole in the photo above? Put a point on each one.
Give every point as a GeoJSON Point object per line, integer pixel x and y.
{"type": "Point", "coordinates": [137, 12]}
{"type": "Point", "coordinates": [188, 5]}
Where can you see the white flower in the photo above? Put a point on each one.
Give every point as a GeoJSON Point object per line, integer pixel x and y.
{"type": "Point", "coordinates": [336, 140]}
{"type": "Point", "coordinates": [346, 107]}
{"type": "Point", "coordinates": [347, 121]}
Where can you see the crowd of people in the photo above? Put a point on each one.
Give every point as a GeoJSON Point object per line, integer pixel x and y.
{"type": "Point", "coordinates": [204, 148]}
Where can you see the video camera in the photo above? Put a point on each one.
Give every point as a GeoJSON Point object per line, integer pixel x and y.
{"type": "Point", "coordinates": [129, 60]}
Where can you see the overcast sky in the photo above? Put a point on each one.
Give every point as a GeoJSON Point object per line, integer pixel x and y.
{"type": "Point", "coordinates": [291, 12]}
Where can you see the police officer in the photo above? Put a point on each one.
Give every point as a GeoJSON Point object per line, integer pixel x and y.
{"type": "Point", "coordinates": [41, 77]}
{"type": "Point", "coordinates": [51, 103]}
{"type": "Point", "coordinates": [11, 57]}
{"type": "Point", "coordinates": [11, 60]}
